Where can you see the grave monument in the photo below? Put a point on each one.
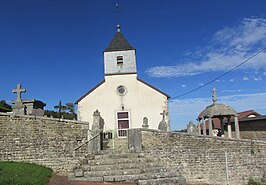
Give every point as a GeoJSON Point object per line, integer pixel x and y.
{"type": "Point", "coordinates": [26, 107]}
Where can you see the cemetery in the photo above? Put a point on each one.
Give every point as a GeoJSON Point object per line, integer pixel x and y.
{"type": "Point", "coordinates": [124, 135]}
{"type": "Point", "coordinates": [85, 152]}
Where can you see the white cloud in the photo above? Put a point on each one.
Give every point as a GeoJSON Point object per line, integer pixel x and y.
{"type": "Point", "coordinates": [231, 91]}
{"type": "Point", "coordinates": [183, 111]}
{"type": "Point", "coordinates": [231, 80]}
{"type": "Point", "coordinates": [264, 73]}
{"type": "Point", "coordinates": [245, 78]}
{"type": "Point", "coordinates": [200, 84]}
{"type": "Point", "coordinates": [228, 48]}
{"type": "Point", "coordinates": [257, 78]}
{"type": "Point", "coordinates": [183, 85]}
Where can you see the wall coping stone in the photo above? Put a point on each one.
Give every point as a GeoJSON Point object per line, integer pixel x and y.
{"type": "Point", "coordinates": [202, 136]}
{"type": "Point", "coordinates": [44, 118]}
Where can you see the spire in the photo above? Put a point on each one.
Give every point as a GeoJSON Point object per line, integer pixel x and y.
{"type": "Point", "coordinates": [119, 42]}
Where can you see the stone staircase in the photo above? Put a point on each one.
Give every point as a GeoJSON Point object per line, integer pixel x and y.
{"type": "Point", "coordinates": [115, 143]}
{"type": "Point", "coordinates": [123, 166]}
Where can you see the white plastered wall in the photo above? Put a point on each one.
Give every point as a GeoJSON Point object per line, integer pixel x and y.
{"type": "Point", "coordinates": [140, 100]}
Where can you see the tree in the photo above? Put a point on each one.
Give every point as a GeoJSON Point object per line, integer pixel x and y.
{"type": "Point", "coordinates": [70, 107]}
{"type": "Point", "coordinates": [65, 115]}
{"type": "Point", "coordinates": [4, 107]}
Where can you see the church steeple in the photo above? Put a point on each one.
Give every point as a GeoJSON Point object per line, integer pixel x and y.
{"type": "Point", "coordinates": [119, 56]}
{"type": "Point", "coordinates": [119, 42]}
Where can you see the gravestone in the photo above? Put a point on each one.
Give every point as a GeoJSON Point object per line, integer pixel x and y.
{"type": "Point", "coordinates": [98, 122]}
{"type": "Point", "coordinates": [145, 123]}
{"type": "Point", "coordinates": [163, 125]}
{"type": "Point", "coordinates": [96, 133]}
{"type": "Point", "coordinates": [26, 107]}
{"type": "Point", "coordinates": [192, 128]}
{"type": "Point", "coordinates": [38, 112]}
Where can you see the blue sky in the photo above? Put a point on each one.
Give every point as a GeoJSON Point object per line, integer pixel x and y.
{"type": "Point", "coordinates": [54, 48]}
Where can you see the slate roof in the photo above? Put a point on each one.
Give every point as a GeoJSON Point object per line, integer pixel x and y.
{"type": "Point", "coordinates": [119, 43]}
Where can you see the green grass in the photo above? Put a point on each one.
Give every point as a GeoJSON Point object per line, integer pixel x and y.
{"type": "Point", "coordinates": [17, 173]}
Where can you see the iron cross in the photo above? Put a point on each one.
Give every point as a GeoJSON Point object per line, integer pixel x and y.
{"type": "Point", "coordinates": [214, 95]}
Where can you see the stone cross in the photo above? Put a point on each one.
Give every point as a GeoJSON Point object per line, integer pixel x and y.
{"type": "Point", "coordinates": [18, 90]}
{"type": "Point", "coordinates": [214, 96]}
{"type": "Point", "coordinates": [164, 113]}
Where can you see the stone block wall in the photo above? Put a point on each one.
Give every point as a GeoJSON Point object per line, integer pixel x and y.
{"type": "Point", "coordinates": [47, 141]}
{"type": "Point", "coordinates": [254, 135]}
{"type": "Point", "coordinates": [202, 159]}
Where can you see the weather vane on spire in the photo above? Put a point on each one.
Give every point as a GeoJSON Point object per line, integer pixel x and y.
{"type": "Point", "coordinates": [117, 12]}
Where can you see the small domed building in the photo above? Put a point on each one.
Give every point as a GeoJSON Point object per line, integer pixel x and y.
{"type": "Point", "coordinates": [220, 111]}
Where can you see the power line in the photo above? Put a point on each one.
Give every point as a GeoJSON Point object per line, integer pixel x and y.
{"type": "Point", "coordinates": [213, 80]}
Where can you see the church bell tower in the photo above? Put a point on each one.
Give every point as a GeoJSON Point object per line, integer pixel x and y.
{"type": "Point", "coordinates": [119, 56]}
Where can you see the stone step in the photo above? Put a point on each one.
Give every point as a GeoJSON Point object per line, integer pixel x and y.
{"type": "Point", "coordinates": [154, 180]}
{"type": "Point", "coordinates": [117, 161]}
{"type": "Point", "coordinates": [120, 166]}
{"type": "Point", "coordinates": [158, 175]}
{"type": "Point", "coordinates": [163, 181]}
{"type": "Point", "coordinates": [89, 179]}
{"type": "Point", "coordinates": [115, 151]}
{"type": "Point", "coordinates": [121, 178]}
{"type": "Point", "coordinates": [114, 154]}
{"type": "Point", "coordinates": [147, 171]}
{"type": "Point", "coordinates": [88, 174]}
{"type": "Point", "coordinates": [116, 143]}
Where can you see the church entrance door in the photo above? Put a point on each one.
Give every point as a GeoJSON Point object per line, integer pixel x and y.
{"type": "Point", "coordinates": [123, 122]}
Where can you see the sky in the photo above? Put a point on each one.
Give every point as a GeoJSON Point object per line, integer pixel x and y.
{"type": "Point", "coordinates": [54, 48]}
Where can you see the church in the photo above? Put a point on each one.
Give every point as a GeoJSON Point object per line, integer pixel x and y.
{"type": "Point", "coordinates": [123, 100]}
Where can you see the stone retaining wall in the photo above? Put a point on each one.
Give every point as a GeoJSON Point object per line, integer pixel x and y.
{"type": "Point", "coordinates": [47, 141]}
{"type": "Point", "coordinates": [255, 135]}
{"type": "Point", "coordinates": [202, 159]}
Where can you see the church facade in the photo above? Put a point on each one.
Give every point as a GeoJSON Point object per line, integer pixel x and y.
{"type": "Point", "coordinates": [122, 99]}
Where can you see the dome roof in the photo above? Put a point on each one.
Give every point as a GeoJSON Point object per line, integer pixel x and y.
{"type": "Point", "coordinates": [216, 110]}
